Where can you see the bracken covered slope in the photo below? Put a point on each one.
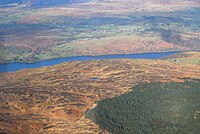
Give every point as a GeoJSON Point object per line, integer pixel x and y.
{"type": "Point", "coordinates": [55, 99]}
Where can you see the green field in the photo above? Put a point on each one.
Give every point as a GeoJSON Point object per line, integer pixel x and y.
{"type": "Point", "coordinates": [187, 61]}
{"type": "Point", "coordinates": [192, 57]}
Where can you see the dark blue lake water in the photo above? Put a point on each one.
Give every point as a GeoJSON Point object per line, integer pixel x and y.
{"type": "Point", "coordinates": [11, 67]}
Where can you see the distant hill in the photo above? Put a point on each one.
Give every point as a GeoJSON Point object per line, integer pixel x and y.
{"type": "Point", "coordinates": [43, 2]}
{"type": "Point", "coordinates": [53, 2]}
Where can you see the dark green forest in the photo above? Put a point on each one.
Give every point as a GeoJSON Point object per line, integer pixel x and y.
{"type": "Point", "coordinates": [153, 108]}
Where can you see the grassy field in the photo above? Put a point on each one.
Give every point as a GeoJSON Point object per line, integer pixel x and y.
{"type": "Point", "coordinates": [187, 61]}
{"type": "Point", "coordinates": [186, 57]}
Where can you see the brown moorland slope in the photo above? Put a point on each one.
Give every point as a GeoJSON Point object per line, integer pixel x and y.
{"type": "Point", "coordinates": [54, 99]}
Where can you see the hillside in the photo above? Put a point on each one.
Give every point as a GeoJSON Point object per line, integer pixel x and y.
{"type": "Point", "coordinates": [53, 29]}
{"type": "Point", "coordinates": [54, 99]}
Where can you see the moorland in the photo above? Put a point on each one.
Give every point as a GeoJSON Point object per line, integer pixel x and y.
{"type": "Point", "coordinates": [55, 99]}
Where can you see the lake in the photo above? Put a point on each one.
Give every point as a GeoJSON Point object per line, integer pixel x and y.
{"type": "Point", "coordinates": [11, 67]}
